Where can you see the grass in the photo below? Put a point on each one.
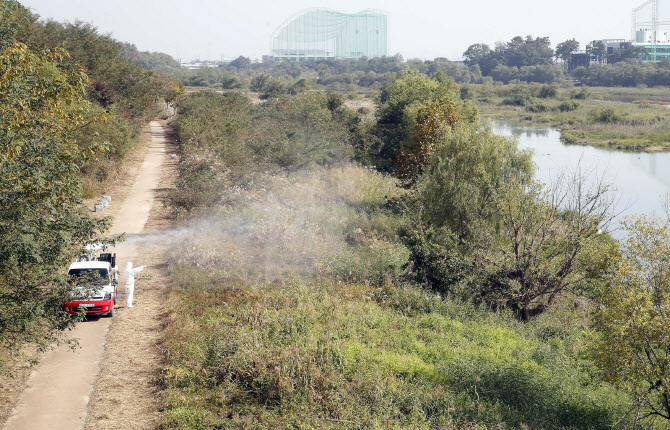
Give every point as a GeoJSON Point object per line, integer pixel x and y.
{"type": "Point", "coordinates": [606, 119]}
{"type": "Point", "coordinates": [285, 312]}
{"type": "Point", "coordinates": [327, 355]}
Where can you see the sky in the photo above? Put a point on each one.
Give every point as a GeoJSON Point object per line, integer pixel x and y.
{"type": "Point", "coordinates": [216, 29]}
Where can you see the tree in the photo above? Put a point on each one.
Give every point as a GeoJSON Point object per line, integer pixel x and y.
{"type": "Point", "coordinates": [42, 222]}
{"type": "Point", "coordinates": [259, 83]}
{"type": "Point", "coordinates": [469, 164]}
{"type": "Point", "coordinates": [564, 50]}
{"type": "Point", "coordinates": [531, 256]}
{"type": "Point", "coordinates": [631, 341]}
{"type": "Point", "coordinates": [399, 103]}
{"type": "Point", "coordinates": [240, 62]}
{"type": "Point", "coordinates": [431, 123]}
{"type": "Point", "coordinates": [598, 50]}
{"type": "Point", "coordinates": [481, 55]}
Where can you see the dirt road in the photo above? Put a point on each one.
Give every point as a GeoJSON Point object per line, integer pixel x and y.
{"type": "Point", "coordinates": [58, 390]}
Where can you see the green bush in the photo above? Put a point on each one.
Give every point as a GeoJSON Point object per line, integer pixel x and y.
{"type": "Point", "coordinates": [517, 100]}
{"type": "Point", "coordinates": [538, 107]}
{"type": "Point", "coordinates": [568, 106]}
{"type": "Point", "coordinates": [605, 115]}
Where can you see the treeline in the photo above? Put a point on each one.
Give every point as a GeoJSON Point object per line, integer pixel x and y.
{"type": "Point", "coordinates": [70, 106]}
{"type": "Point", "coordinates": [530, 60]}
{"type": "Point", "coordinates": [625, 75]}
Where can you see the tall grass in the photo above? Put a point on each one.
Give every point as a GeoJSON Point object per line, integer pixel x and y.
{"type": "Point", "coordinates": [328, 223]}
{"type": "Point", "coordinates": [288, 310]}
{"type": "Point", "coordinates": [284, 313]}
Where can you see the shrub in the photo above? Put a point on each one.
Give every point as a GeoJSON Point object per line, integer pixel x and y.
{"type": "Point", "coordinates": [517, 100]}
{"type": "Point", "coordinates": [568, 106]}
{"type": "Point", "coordinates": [538, 107]}
{"type": "Point", "coordinates": [605, 115]}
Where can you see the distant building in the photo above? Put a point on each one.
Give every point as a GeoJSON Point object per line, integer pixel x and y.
{"type": "Point", "coordinates": [588, 57]}
{"type": "Point", "coordinates": [615, 45]}
{"type": "Point", "coordinates": [197, 65]}
{"type": "Point", "coordinates": [579, 59]}
{"type": "Point", "coordinates": [655, 51]}
{"type": "Point", "coordinates": [316, 34]}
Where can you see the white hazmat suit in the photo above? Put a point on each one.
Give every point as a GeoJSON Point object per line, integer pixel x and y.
{"type": "Point", "coordinates": [129, 277]}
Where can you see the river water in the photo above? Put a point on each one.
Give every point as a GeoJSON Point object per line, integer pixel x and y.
{"type": "Point", "coordinates": [641, 179]}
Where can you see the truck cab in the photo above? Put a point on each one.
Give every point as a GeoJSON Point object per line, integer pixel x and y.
{"type": "Point", "coordinates": [96, 282]}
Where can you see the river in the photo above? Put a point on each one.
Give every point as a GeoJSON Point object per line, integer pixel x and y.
{"type": "Point", "coordinates": [641, 179]}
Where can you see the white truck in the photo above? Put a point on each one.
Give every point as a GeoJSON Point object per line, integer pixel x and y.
{"type": "Point", "coordinates": [101, 276]}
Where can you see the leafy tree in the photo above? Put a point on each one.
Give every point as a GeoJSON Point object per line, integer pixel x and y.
{"type": "Point", "coordinates": [597, 49]}
{"type": "Point", "coordinates": [564, 50]}
{"type": "Point", "coordinates": [631, 343]}
{"type": "Point", "coordinates": [240, 62]}
{"type": "Point", "coordinates": [468, 167]}
{"type": "Point", "coordinates": [431, 121]}
{"type": "Point", "coordinates": [481, 55]}
{"type": "Point", "coordinates": [273, 89]}
{"type": "Point", "coordinates": [41, 220]}
{"type": "Point", "coordinates": [301, 85]}
{"type": "Point", "coordinates": [259, 83]}
{"type": "Point", "coordinates": [631, 54]}
{"type": "Point", "coordinates": [399, 103]}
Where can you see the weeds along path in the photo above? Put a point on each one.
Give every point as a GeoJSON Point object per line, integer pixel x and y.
{"type": "Point", "coordinates": [58, 390]}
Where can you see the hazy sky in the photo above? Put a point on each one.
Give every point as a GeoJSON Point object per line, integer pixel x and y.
{"type": "Point", "coordinates": [211, 29]}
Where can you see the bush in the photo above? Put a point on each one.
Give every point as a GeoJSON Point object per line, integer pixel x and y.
{"type": "Point", "coordinates": [538, 107]}
{"type": "Point", "coordinates": [568, 106]}
{"type": "Point", "coordinates": [517, 100]}
{"type": "Point", "coordinates": [605, 115]}
{"type": "Point", "coordinates": [548, 91]}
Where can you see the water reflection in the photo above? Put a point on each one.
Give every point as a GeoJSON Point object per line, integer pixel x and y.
{"type": "Point", "coordinates": [641, 179]}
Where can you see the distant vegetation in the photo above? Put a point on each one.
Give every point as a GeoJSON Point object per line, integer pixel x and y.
{"type": "Point", "coordinates": [71, 107]}
{"type": "Point", "coordinates": [442, 288]}
{"type": "Point", "coordinates": [529, 60]}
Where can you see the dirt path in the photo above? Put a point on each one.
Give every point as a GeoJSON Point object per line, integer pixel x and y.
{"type": "Point", "coordinates": [58, 390]}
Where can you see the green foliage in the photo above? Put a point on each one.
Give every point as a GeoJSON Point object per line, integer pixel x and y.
{"type": "Point", "coordinates": [568, 106]}
{"type": "Point", "coordinates": [229, 141]}
{"type": "Point", "coordinates": [399, 104]}
{"type": "Point", "coordinates": [584, 93]}
{"type": "Point", "coordinates": [623, 74]}
{"type": "Point", "coordinates": [517, 53]}
{"type": "Point", "coordinates": [41, 104]}
{"type": "Point", "coordinates": [605, 115]}
{"type": "Point", "coordinates": [631, 343]}
{"type": "Point", "coordinates": [533, 255]}
{"type": "Point", "coordinates": [259, 83]}
{"type": "Point", "coordinates": [564, 50]}
{"type": "Point", "coordinates": [329, 355]}
{"type": "Point", "coordinates": [467, 168]}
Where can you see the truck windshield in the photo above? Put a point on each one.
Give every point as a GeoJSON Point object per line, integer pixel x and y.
{"type": "Point", "coordinates": [95, 276]}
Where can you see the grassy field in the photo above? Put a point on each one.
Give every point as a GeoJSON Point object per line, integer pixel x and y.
{"type": "Point", "coordinates": [286, 312]}
{"type": "Point", "coordinates": [620, 118]}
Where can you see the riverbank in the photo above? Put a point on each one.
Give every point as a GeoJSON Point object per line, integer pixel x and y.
{"type": "Point", "coordinates": [627, 119]}
{"type": "Point", "coordinates": [638, 180]}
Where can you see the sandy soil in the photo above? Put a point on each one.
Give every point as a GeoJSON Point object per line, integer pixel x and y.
{"type": "Point", "coordinates": [58, 390]}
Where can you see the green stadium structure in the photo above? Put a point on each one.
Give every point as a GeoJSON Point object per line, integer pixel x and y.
{"type": "Point", "coordinates": [316, 34]}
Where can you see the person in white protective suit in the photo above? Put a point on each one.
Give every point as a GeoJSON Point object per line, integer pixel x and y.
{"type": "Point", "coordinates": [130, 281]}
